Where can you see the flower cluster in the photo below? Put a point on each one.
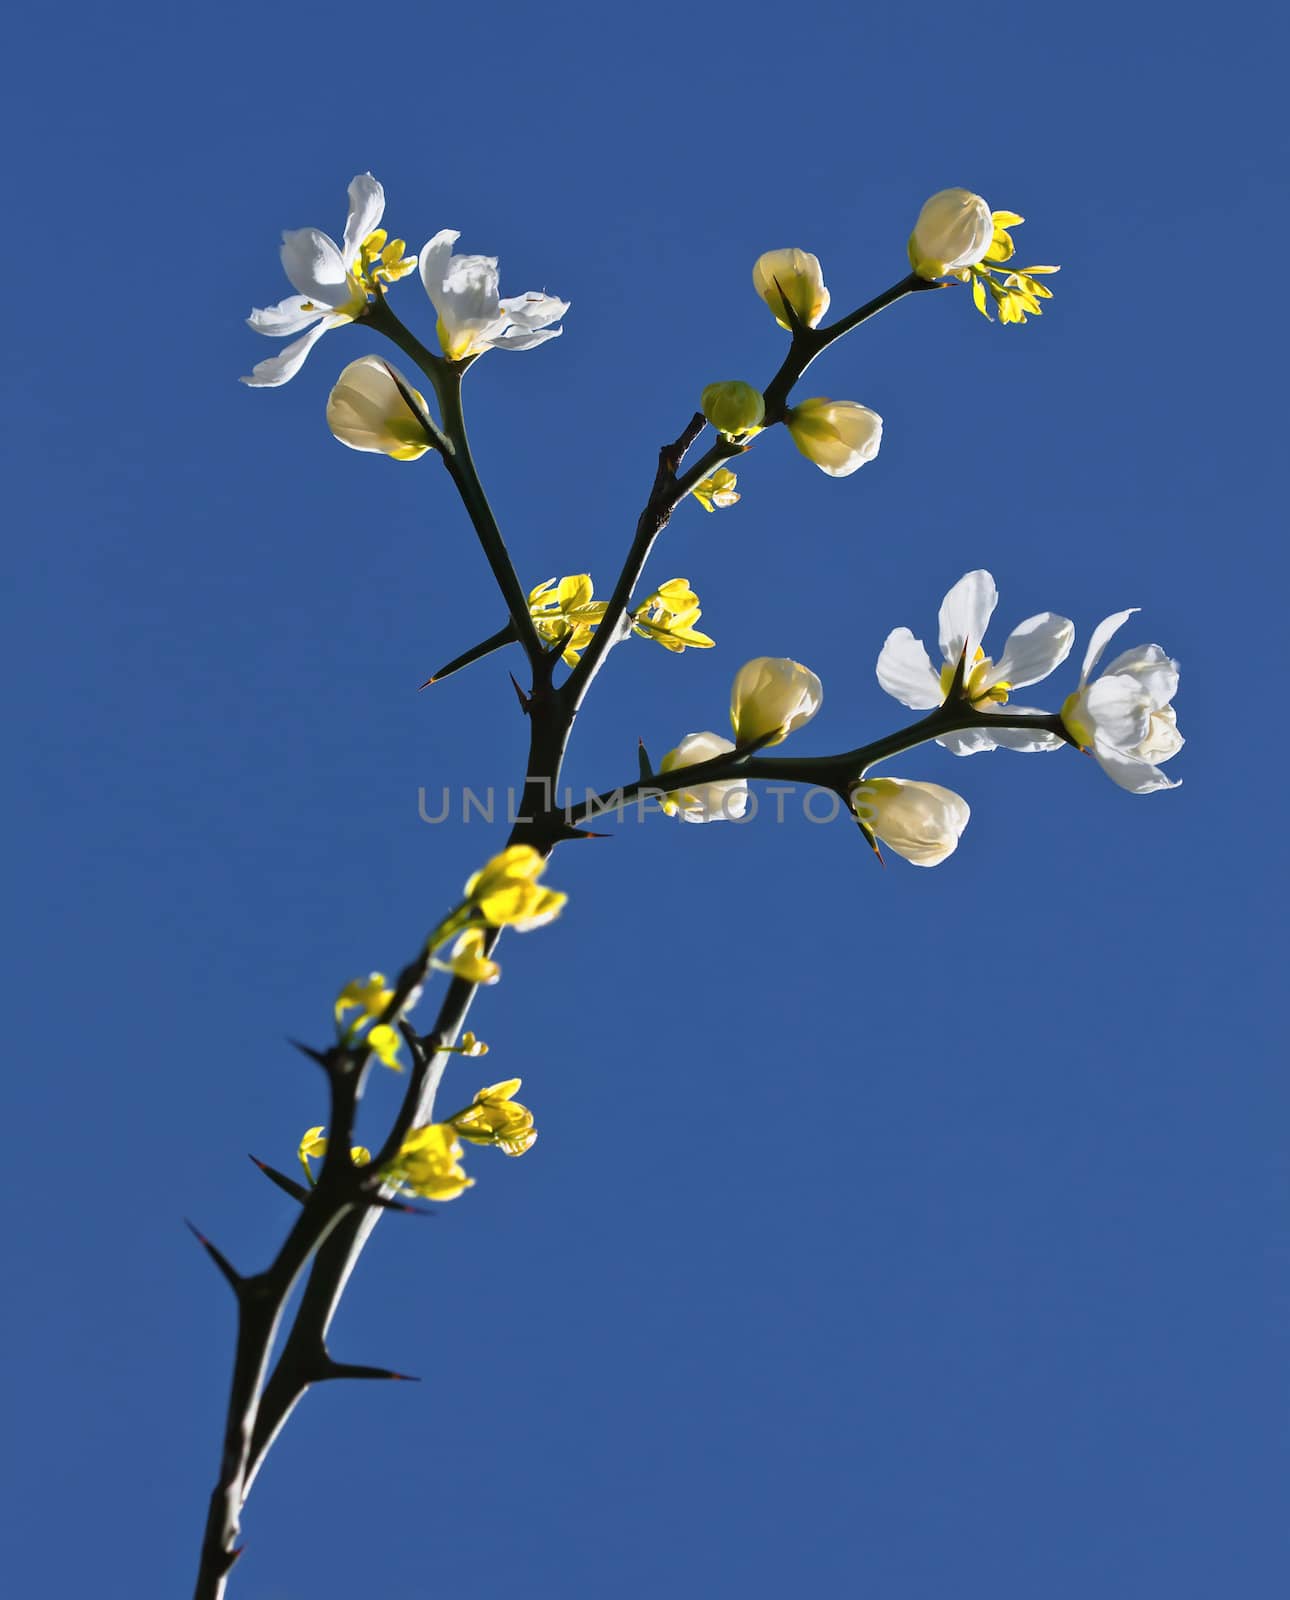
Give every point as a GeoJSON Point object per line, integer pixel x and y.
{"type": "Point", "coordinates": [1124, 718]}
{"type": "Point", "coordinates": [564, 613]}
{"type": "Point", "coordinates": [506, 893]}
{"type": "Point", "coordinates": [335, 284]}
{"type": "Point", "coordinates": [371, 998]}
{"type": "Point", "coordinates": [668, 616]}
{"type": "Point", "coordinates": [958, 236]}
{"type": "Point", "coordinates": [428, 1163]}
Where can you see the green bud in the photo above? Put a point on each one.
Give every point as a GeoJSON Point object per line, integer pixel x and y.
{"type": "Point", "coordinates": [733, 408]}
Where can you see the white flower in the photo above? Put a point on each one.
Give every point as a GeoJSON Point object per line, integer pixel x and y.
{"type": "Point", "coordinates": [838, 435]}
{"type": "Point", "coordinates": [774, 696]}
{"type": "Point", "coordinates": [953, 232]}
{"type": "Point", "coordinates": [706, 802]}
{"type": "Point", "coordinates": [463, 290]}
{"type": "Point", "coordinates": [1033, 649]}
{"type": "Point", "coordinates": [1125, 717]}
{"type": "Point", "coordinates": [795, 275]}
{"type": "Point", "coordinates": [366, 411]}
{"type": "Point", "coordinates": [920, 821]}
{"type": "Point", "coordinates": [332, 281]}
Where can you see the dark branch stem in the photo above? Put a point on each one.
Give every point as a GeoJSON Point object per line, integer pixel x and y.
{"type": "Point", "coordinates": [446, 378]}
{"type": "Point", "coordinates": [337, 1217]}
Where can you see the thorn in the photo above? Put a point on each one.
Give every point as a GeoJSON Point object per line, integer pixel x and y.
{"type": "Point", "coordinates": [426, 684]}
{"type": "Point", "coordinates": [349, 1369]}
{"type": "Point", "coordinates": [323, 1060]}
{"type": "Point", "coordinates": [382, 1203]}
{"type": "Point", "coordinates": [297, 1191]}
{"type": "Point", "coordinates": [523, 698]}
{"type": "Point", "coordinates": [229, 1272]}
{"type": "Point", "coordinates": [643, 761]}
{"type": "Point", "coordinates": [795, 322]}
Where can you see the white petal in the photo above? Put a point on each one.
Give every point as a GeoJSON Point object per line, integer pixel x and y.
{"type": "Point", "coordinates": [967, 741]}
{"type": "Point", "coordinates": [532, 311]}
{"type": "Point", "coordinates": [905, 671]}
{"type": "Point", "coordinates": [965, 614]}
{"type": "Point", "coordinates": [1101, 637]}
{"type": "Point", "coordinates": [1118, 710]}
{"type": "Point", "coordinates": [288, 316]}
{"type": "Point", "coordinates": [433, 262]}
{"type": "Point", "coordinates": [366, 208]}
{"type": "Point", "coordinates": [1138, 777]}
{"type": "Point", "coordinates": [1030, 740]}
{"type": "Point", "coordinates": [515, 339]}
{"type": "Point", "coordinates": [1035, 648]}
{"type": "Point", "coordinates": [314, 267]}
{"type": "Point", "coordinates": [1153, 669]}
{"type": "Point", "coordinates": [281, 368]}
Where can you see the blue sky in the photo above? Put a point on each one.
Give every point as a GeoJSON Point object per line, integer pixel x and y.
{"type": "Point", "coordinates": [890, 1232]}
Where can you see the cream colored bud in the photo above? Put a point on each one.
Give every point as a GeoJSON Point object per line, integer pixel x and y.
{"type": "Point", "coordinates": [772, 695]}
{"type": "Point", "coordinates": [733, 408]}
{"type": "Point", "coordinates": [367, 412]}
{"type": "Point", "coordinates": [920, 821]}
{"type": "Point", "coordinates": [953, 232]}
{"type": "Point", "coordinates": [724, 801]}
{"type": "Point", "coordinates": [838, 435]}
{"type": "Point", "coordinates": [795, 276]}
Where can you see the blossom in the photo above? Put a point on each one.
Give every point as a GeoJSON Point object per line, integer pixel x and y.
{"type": "Point", "coordinates": [429, 1163]}
{"type": "Point", "coordinates": [368, 996]}
{"type": "Point", "coordinates": [920, 821]}
{"type": "Point", "coordinates": [468, 960]}
{"type": "Point", "coordinates": [733, 408]}
{"type": "Point", "coordinates": [668, 617]}
{"type": "Point", "coordinates": [333, 281]}
{"type": "Point", "coordinates": [563, 609]}
{"type": "Point", "coordinates": [472, 319]}
{"type": "Point", "coordinates": [953, 232]}
{"type": "Point", "coordinates": [366, 410]}
{"type": "Point", "coordinates": [706, 802]}
{"type": "Point", "coordinates": [506, 893]}
{"type": "Point", "coordinates": [384, 1042]}
{"type": "Point", "coordinates": [1124, 717]}
{"type": "Point", "coordinates": [495, 1117]}
{"type": "Point", "coordinates": [314, 1146]}
{"type": "Point", "coordinates": [717, 492]}
{"type": "Point", "coordinates": [838, 435]}
{"type": "Point", "coordinates": [1033, 649]}
{"type": "Point", "coordinates": [771, 697]}
{"type": "Point", "coordinates": [795, 276]}
{"type": "Point", "coordinates": [1015, 293]}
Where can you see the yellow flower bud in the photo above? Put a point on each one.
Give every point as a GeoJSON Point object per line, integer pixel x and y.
{"type": "Point", "coordinates": [795, 276]}
{"type": "Point", "coordinates": [717, 492]}
{"type": "Point", "coordinates": [506, 893]}
{"type": "Point", "coordinates": [495, 1117]}
{"type": "Point", "coordinates": [733, 408]}
{"type": "Point", "coordinates": [468, 961]}
{"type": "Point", "coordinates": [366, 411]}
{"type": "Point", "coordinates": [953, 232]}
{"type": "Point", "coordinates": [429, 1163]}
{"type": "Point", "coordinates": [838, 435]}
{"type": "Point", "coordinates": [772, 695]}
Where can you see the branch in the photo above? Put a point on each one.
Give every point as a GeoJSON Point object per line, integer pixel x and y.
{"type": "Point", "coordinates": [670, 488]}
{"type": "Point", "coordinates": [838, 772]}
{"type": "Point", "coordinates": [446, 378]}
